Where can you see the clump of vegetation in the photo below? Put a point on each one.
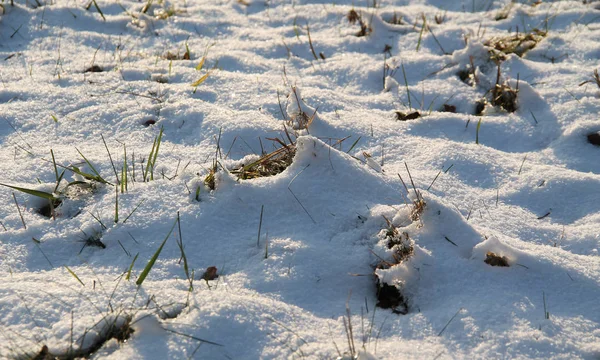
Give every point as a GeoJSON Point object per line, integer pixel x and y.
{"type": "Point", "coordinates": [353, 18]}
{"type": "Point", "coordinates": [270, 164]}
{"type": "Point", "coordinates": [298, 118]}
{"type": "Point", "coordinates": [595, 79]}
{"type": "Point", "coordinates": [503, 95]}
{"type": "Point", "coordinates": [402, 248]}
{"type": "Point", "coordinates": [518, 43]}
{"type": "Point", "coordinates": [494, 259]}
{"type": "Point", "coordinates": [400, 243]}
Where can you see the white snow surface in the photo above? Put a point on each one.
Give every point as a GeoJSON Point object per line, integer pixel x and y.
{"type": "Point", "coordinates": [524, 185]}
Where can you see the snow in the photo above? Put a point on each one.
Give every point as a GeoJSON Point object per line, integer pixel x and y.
{"type": "Point", "coordinates": [298, 254]}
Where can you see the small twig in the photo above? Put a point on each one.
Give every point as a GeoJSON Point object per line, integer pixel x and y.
{"type": "Point", "coordinates": [521, 168]}
{"type": "Point", "coordinates": [19, 209]}
{"type": "Point", "coordinates": [262, 208]}
{"type": "Point", "coordinates": [441, 332]}
{"type": "Point", "coordinates": [450, 241]}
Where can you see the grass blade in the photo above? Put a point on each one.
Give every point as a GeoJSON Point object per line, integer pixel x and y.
{"type": "Point", "coordinates": [200, 81]}
{"type": "Point", "coordinates": [74, 275]}
{"type": "Point", "coordinates": [150, 264]}
{"type": "Point", "coordinates": [131, 267]}
{"type": "Point", "coordinates": [38, 193]}
{"type": "Point", "coordinates": [98, 9]}
{"type": "Point", "coordinates": [201, 63]}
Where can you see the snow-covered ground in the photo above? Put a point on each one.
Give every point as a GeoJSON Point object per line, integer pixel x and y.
{"type": "Point", "coordinates": [299, 254]}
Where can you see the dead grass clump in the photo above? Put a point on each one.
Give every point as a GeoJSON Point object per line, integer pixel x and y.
{"type": "Point", "coordinates": [400, 243]}
{"type": "Point", "coordinates": [503, 95]}
{"type": "Point", "coordinates": [518, 43]}
{"type": "Point", "coordinates": [268, 165]}
{"type": "Point", "coordinates": [210, 179]}
{"type": "Point", "coordinates": [353, 18]}
{"type": "Point", "coordinates": [494, 259]}
{"type": "Point", "coordinates": [396, 19]}
{"type": "Point", "coordinates": [299, 120]}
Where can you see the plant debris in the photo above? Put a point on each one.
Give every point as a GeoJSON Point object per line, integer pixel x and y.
{"type": "Point", "coordinates": [353, 18]}
{"type": "Point", "coordinates": [518, 43]}
{"type": "Point", "coordinates": [268, 165]}
{"type": "Point", "coordinates": [407, 116]}
{"type": "Point", "coordinates": [210, 273]}
{"type": "Point", "coordinates": [400, 243]}
{"type": "Point", "coordinates": [495, 260]}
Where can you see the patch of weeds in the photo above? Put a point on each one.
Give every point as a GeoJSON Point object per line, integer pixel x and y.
{"type": "Point", "coordinates": [402, 116]}
{"type": "Point", "coordinates": [518, 43]}
{"type": "Point", "coordinates": [353, 18]}
{"type": "Point", "coordinates": [494, 259]}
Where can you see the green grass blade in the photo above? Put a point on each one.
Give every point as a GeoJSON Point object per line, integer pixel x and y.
{"type": "Point", "coordinates": [149, 163]}
{"type": "Point", "coordinates": [150, 264]}
{"type": "Point", "coordinates": [131, 267]}
{"type": "Point", "coordinates": [116, 205]}
{"type": "Point", "coordinates": [477, 132]}
{"type": "Point", "coordinates": [421, 33]}
{"type": "Point", "coordinates": [131, 213]}
{"type": "Point", "coordinates": [38, 193]}
{"type": "Point", "coordinates": [74, 275]}
{"type": "Point", "coordinates": [97, 176]}
{"type": "Point", "coordinates": [158, 140]}
{"type": "Point", "coordinates": [406, 84]}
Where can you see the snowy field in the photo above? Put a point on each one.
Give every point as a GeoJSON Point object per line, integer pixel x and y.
{"type": "Point", "coordinates": [299, 179]}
